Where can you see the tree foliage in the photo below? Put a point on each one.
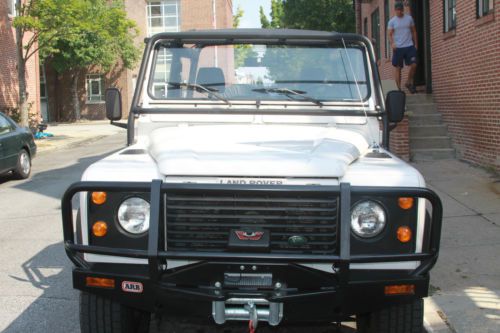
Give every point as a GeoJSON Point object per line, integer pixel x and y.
{"type": "Point", "coordinates": [75, 34]}
{"type": "Point", "coordinates": [237, 17]}
{"type": "Point", "coordinates": [328, 15]}
{"type": "Point", "coordinates": [276, 14]}
{"type": "Point", "coordinates": [98, 34]}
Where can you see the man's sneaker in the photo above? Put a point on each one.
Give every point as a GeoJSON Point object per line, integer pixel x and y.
{"type": "Point", "coordinates": [411, 88]}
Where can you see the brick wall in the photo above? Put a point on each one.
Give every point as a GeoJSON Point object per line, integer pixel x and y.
{"type": "Point", "coordinates": [466, 80]}
{"type": "Point", "coordinates": [399, 142]}
{"type": "Point", "coordinates": [9, 85]}
{"type": "Point", "coordinates": [465, 77]}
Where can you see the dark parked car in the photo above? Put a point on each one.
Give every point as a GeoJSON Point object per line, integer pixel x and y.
{"type": "Point", "coordinates": [17, 148]}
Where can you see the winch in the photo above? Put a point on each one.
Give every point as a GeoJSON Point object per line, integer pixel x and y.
{"type": "Point", "coordinates": [247, 309]}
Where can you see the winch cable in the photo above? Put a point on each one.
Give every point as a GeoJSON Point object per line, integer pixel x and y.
{"type": "Point", "coordinates": [374, 143]}
{"type": "Point", "coordinates": [251, 329]}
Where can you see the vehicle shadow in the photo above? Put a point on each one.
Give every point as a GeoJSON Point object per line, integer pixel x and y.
{"type": "Point", "coordinates": [56, 308]}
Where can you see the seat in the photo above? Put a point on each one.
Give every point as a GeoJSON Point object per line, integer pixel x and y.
{"type": "Point", "coordinates": [211, 77]}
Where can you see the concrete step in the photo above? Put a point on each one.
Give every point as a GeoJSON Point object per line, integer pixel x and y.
{"type": "Point", "coordinates": [430, 142]}
{"type": "Point", "coordinates": [428, 130]}
{"type": "Point", "coordinates": [425, 119]}
{"type": "Point", "coordinates": [422, 108]}
{"type": "Point", "coordinates": [432, 154]}
{"type": "Point", "coordinates": [419, 98]}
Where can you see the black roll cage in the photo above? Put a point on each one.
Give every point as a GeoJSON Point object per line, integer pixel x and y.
{"type": "Point", "coordinates": [256, 36]}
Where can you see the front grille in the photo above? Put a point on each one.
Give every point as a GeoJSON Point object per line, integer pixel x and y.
{"type": "Point", "coordinates": [201, 220]}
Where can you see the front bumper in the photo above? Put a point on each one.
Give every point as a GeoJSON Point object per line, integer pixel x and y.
{"type": "Point", "coordinates": [306, 294]}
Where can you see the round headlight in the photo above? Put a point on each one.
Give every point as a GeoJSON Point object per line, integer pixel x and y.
{"type": "Point", "coordinates": [133, 215]}
{"type": "Point", "coordinates": [367, 219]}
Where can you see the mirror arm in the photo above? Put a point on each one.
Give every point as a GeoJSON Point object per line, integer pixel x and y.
{"type": "Point", "coordinates": [121, 125]}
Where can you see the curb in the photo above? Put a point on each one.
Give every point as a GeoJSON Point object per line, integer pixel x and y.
{"type": "Point", "coordinates": [435, 320]}
{"type": "Point", "coordinates": [67, 144]}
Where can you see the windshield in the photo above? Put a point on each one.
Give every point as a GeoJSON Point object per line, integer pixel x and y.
{"type": "Point", "coordinates": [242, 72]}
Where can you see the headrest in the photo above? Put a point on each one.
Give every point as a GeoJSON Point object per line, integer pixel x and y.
{"type": "Point", "coordinates": [211, 76]}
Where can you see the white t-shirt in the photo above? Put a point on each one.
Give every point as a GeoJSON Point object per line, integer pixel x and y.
{"type": "Point", "coordinates": [402, 30]}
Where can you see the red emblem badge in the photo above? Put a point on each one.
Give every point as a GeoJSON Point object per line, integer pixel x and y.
{"type": "Point", "coordinates": [249, 235]}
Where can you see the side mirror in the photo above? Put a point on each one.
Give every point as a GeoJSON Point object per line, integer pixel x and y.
{"type": "Point", "coordinates": [395, 103]}
{"type": "Point", "coordinates": [113, 104]}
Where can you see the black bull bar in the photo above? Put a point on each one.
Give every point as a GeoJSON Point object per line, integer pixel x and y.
{"type": "Point", "coordinates": [156, 257]}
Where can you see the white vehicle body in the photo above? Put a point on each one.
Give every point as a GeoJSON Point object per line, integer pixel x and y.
{"type": "Point", "coordinates": [255, 186]}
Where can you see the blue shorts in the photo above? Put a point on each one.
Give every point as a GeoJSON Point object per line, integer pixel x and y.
{"type": "Point", "coordinates": [408, 54]}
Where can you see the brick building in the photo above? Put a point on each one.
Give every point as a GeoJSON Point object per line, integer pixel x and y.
{"type": "Point", "coordinates": [9, 84]}
{"type": "Point", "coordinates": [459, 64]}
{"type": "Point", "coordinates": [151, 16]}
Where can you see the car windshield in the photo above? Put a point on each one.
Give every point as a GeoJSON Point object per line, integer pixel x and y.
{"type": "Point", "coordinates": [253, 72]}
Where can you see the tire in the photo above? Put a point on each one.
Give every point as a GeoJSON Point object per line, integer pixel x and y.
{"type": "Point", "coordinates": [102, 315]}
{"type": "Point", "coordinates": [23, 166]}
{"type": "Point", "coordinates": [400, 318]}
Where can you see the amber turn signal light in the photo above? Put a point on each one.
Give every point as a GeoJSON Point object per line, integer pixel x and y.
{"type": "Point", "coordinates": [404, 234]}
{"type": "Point", "coordinates": [99, 197]}
{"type": "Point", "coordinates": [100, 229]}
{"type": "Point", "coordinates": [400, 289]}
{"type": "Point", "coordinates": [99, 282]}
{"type": "Point", "coordinates": [405, 203]}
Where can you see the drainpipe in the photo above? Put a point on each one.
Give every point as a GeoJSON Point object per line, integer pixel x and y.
{"type": "Point", "coordinates": [357, 13]}
{"type": "Point", "coordinates": [214, 25]}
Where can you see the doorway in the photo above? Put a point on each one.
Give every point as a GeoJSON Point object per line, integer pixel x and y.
{"type": "Point", "coordinates": [43, 95]}
{"type": "Point", "coordinates": [421, 15]}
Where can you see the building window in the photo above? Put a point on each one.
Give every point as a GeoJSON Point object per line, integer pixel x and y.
{"type": "Point", "coordinates": [376, 32]}
{"type": "Point", "coordinates": [163, 16]}
{"type": "Point", "coordinates": [5, 125]}
{"type": "Point", "coordinates": [11, 7]}
{"type": "Point", "coordinates": [94, 88]}
{"type": "Point", "coordinates": [450, 15]}
{"type": "Point", "coordinates": [484, 7]}
{"type": "Point", "coordinates": [162, 73]}
{"type": "Point", "coordinates": [387, 17]}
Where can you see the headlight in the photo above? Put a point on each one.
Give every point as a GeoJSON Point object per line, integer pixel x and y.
{"type": "Point", "coordinates": [367, 219]}
{"type": "Point", "coordinates": [133, 215]}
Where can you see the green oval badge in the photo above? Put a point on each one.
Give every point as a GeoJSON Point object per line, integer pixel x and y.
{"type": "Point", "coordinates": [297, 240]}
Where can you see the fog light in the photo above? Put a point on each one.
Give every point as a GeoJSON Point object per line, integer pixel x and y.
{"type": "Point", "coordinates": [404, 234]}
{"type": "Point", "coordinates": [400, 289]}
{"type": "Point", "coordinates": [99, 282]}
{"type": "Point", "coordinates": [99, 197]}
{"type": "Point", "coordinates": [100, 229]}
{"type": "Point", "coordinates": [405, 203]}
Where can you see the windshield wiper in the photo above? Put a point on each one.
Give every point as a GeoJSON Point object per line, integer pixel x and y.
{"type": "Point", "coordinates": [199, 88]}
{"type": "Point", "coordinates": [288, 92]}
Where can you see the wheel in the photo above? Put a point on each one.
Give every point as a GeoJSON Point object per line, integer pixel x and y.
{"type": "Point", "coordinates": [102, 315]}
{"type": "Point", "coordinates": [23, 166]}
{"type": "Point", "coordinates": [400, 318]}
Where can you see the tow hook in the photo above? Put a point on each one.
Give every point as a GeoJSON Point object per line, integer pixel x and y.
{"type": "Point", "coordinates": [254, 317]}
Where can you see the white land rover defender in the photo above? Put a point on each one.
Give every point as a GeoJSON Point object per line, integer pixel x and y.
{"type": "Point", "coordinates": [256, 186]}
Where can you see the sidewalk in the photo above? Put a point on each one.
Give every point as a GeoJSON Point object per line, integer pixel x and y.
{"type": "Point", "coordinates": [465, 283]}
{"type": "Point", "coordinates": [72, 134]}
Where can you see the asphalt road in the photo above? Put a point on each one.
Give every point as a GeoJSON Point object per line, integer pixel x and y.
{"type": "Point", "coordinates": [36, 290]}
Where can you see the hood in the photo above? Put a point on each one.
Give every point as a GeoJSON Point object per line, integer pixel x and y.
{"type": "Point", "coordinates": [255, 150]}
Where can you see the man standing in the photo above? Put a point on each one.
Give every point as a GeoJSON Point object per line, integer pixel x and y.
{"type": "Point", "coordinates": [403, 39]}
